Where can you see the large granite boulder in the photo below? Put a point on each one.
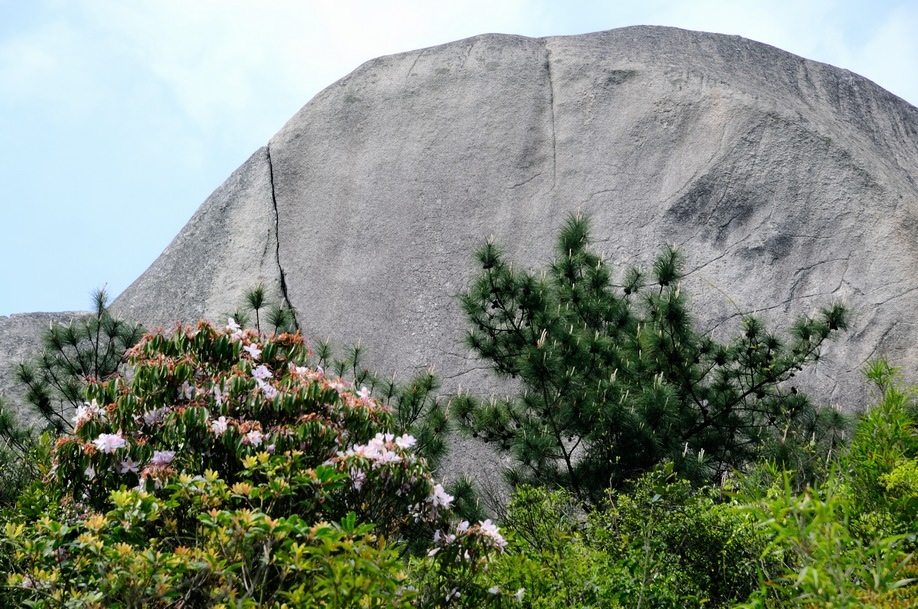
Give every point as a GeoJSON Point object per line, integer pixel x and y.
{"type": "Point", "coordinates": [787, 183]}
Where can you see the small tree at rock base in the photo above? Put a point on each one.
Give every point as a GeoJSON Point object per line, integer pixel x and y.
{"type": "Point", "coordinates": [91, 347]}
{"type": "Point", "coordinates": [615, 378]}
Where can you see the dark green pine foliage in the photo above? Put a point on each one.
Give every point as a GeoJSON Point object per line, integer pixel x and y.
{"type": "Point", "coordinates": [615, 378]}
{"type": "Point", "coordinates": [89, 347]}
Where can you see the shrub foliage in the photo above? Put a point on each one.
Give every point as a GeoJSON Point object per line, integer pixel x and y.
{"type": "Point", "coordinates": [228, 472]}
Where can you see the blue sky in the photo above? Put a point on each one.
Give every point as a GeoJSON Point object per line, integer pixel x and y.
{"type": "Point", "coordinates": [118, 118]}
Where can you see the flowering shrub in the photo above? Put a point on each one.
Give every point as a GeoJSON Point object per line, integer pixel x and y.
{"type": "Point", "coordinates": [228, 471]}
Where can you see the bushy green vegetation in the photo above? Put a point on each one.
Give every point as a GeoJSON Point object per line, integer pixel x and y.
{"type": "Point", "coordinates": [616, 378]}
{"type": "Point", "coordinates": [656, 468]}
{"type": "Point", "coordinates": [229, 472]}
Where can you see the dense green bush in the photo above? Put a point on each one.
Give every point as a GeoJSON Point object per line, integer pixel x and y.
{"type": "Point", "coordinates": [882, 461]}
{"type": "Point", "coordinates": [661, 545]}
{"type": "Point", "coordinates": [228, 472]}
{"type": "Point", "coordinates": [849, 541]}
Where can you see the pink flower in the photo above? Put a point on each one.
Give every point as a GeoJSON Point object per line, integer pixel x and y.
{"type": "Point", "coordinates": [128, 465]}
{"type": "Point", "coordinates": [156, 416]}
{"type": "Point", "coordinates": [488, 529]}
{"type": "Point", "coordinates": [186, 391]}
{"type": "Point", "coordinates": [109, 442]}
{"type": "Point", "coordinates": [267, 390]}
{"type": "Point", "coordinates": [162, 457]}
{"type": "Point", "coordinates": [232, 327]}
{"type": "Point", "coordinates": [218, 427]}
{"type": "Point", "coordinates": [254, 437]}
{"type": "Point", "coordinates": [86, 412]}
{"type": "Point", "coordinates": [405, 442]}
{"type": "Point", "coordinates": [440, 498]}
{"type": "Point", "coordinates": [253, 350]}
{"type": "Point", "coordinates": [219, 395]}
{"type": "Point", "coordinates": [262, 372]}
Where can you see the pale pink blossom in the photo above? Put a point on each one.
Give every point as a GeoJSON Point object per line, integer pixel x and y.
{"type": "Point", "coordinates": [262, 372]}
{"type": "Point", "coordinates": [219, 395]}
{"type": "Point", "coordinates": [186, 391]}
{"type": "Point", "coordinates": [253, 350]}
{"type": "Point", "coordinates": [155, 416]}
{"type": "Point", "coordinates": [357, 478]}
{"type": "Point", "coordinates": [109, 442]}
{"type": "Point", "coordinates": [440, 498]}
{"type": "Point", "coordinates": [376, 450]}
{"type": "Point", "coordinates": [267, 390]}
{"type": "Point", "coordinates": [218, 427]}
{"type": "Point", "coordinates": [405, 441]}
{"type": "Point", "coordinates": [90, 472]}
{"type": "Point", "coordinates": [489, 529]}
{"type": "Point", "coordinates": [254, 437]}
{"type": "Point", "coordinates": [85, 412]}
{"type": "Point", "coordinates": [162, 457]}
{"type": "Point", "coordinates": [236, 332]}
{"type": "Point", "coordinates": [128, 465]}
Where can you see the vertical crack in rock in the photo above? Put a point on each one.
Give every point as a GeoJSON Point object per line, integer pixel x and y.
{"type": "Point", "coordinates": [411, 69]}
{"type": "Point", "coordinates": [551, 104]}
{"type": "Point", "coordinates": [280, 269]}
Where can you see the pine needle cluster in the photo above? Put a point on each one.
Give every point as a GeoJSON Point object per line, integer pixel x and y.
{"type": "Point", "coordinates": [616, 378]}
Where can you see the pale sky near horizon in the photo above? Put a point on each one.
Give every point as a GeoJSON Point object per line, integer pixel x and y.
{"type": "Point", "coordinates": [118, 119]}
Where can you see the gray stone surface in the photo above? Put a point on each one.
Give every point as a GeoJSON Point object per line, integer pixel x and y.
{"type": "Point", "coordinates": [19, 341]}
{"type": "Point", "coordinates": [229, 246]}
{"type": "Point", "coordinates": [787, 183]}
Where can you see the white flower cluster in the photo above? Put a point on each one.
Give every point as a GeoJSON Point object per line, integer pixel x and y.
{"type": "Point", "coordinates": [440, 498]}
{"type": "Point", "coordinates": [486, 530]}
{"type": "Point", "coordinates": [155, 416]}
{"type": "Point", "coordinates": [218, 426]}
{"type": "Point", "coordinates": [85, 412]}
{"type": "Point", "coordinates": [254, 438]}
{"type": "Point", "coordinates": [235, 331]}
{"type": "Point", "coordinates": [109, 442]}
{"type": "Point", "coordinates": [380, 450]}
{"type": "Point", "coordinates": [430, 508]}
{"type": "Point", "coordinates": [490, 530]}
{"type": "Point", "coordinates": [162, 457]}
{"type": "Point", "coordinates": [261, 374]}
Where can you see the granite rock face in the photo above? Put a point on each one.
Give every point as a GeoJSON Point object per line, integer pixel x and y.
{"type": "Point", "coordinates": [229, 246]}
{"type": "Point", "coordinates": [787, 183]}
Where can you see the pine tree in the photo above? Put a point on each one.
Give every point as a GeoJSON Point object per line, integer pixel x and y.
{"type": "Point", "coordinates": [89, 347]}
{"type": "Point", "coordinates": [615, 378]}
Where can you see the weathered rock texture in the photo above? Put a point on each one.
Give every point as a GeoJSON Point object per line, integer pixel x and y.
{"type": "Point", "coordinates": [787, 183]}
